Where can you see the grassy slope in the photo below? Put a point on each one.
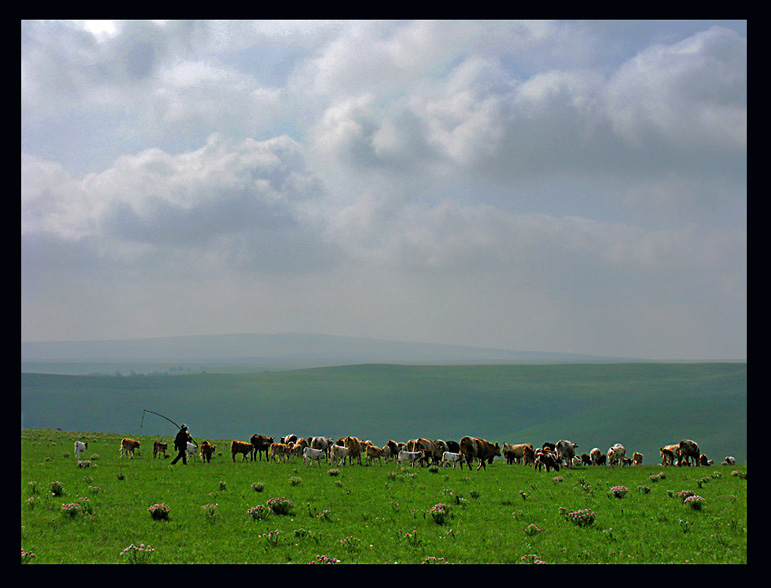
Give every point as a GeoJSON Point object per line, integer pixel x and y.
{"type": "Point", "coordinates": [383, 509]}
{"type": "Point", "coordinates": [643, 406]}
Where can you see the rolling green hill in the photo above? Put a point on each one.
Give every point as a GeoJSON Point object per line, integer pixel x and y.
{"type": "Point", "coordinates": [642, 405]}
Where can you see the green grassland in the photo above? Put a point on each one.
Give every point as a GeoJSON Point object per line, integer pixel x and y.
{"type": "Point", "coordinates": [642, 405]}
{"type": "Point", "coordinates": [377, 514]}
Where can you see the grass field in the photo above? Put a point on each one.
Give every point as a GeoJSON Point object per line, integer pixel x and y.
{"type": "Point", "coordinates": [379, 514]}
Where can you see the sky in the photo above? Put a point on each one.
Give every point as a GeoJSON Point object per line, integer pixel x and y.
{"type": "Point", "coordinates": [561, 186]}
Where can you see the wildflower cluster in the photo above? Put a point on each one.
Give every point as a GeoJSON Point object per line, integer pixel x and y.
{"type": "Point", "coordinates": [272, 537]}
{"type": "Point", "coordinates": [333, 472]}
{"type": "Point", "coordinates": [694, 501]}
{"type": "Point", "coordinates": [531, 559]}
{"type": "Point", "coordinates": [57, 488]}
{"type": "Point", "coordinates": [295, 480]}
{"type": "Point", "coordinates": [258, 486]}
{"type": "Point", "coordinates": [683, 494]}
{"type": "Point", "coordinates": [84, 463]}
{"type": "Point", "coordinates": [32, 487]}
{"type": "Point", "coordinates": [350, 543]}
{"type": "Point", "coordinates": [159, 512]}
{"type": "Point", "coordinates": [31, 502]}
{"type": "Point", "coordinates": [440, 513]}
{"type": "Point", "coordinates": [532, 529]}
{"type": "Point", "coordinates": [137, 555]}
{"type": "Point", "coordinates": [210, 512]}
{"type": "Point", "coordinates": [280, 506]}
{"type": "Point", "coordinates": [618, 491]}
{"type": "Point", "coordinates": [582, 518]}
{"type": "Point", "coordinates": [434, 560]}
{"type": "Point", "coordinates": [557, 479]}
{"type": "Point", "coordinates": [259, 512]}
{"type": "Point", "coordinates": [72, 509]}
{"type": "Point", "coordinates": [739, 474]}
{"type": "Point", "coordinates": [26, 556]}
{"type": "Point", "coordinates": [412, 538]}
{"type": "Point", "coordinates": [643, 489]}
{"type": "Point", "coordinates": [323, 559]}
{"type": "Point", "coordinates": [656, 477]}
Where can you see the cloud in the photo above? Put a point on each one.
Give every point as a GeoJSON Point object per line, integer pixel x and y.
{"type": "Point", "coordinates": [348, 174]}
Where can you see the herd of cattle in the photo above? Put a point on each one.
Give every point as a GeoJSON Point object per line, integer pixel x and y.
{"type": "Point", "coordinates": [427, 451]}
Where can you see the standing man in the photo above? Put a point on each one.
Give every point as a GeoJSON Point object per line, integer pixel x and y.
{"type": "Point", "coordinates": [180, 444]}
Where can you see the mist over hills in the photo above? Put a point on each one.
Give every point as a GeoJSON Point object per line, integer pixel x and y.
{"type": "Point", "coordinates": [276, 351]}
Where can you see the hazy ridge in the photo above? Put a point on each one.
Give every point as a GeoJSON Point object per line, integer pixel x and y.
{"type": "Point", "coordinates": [642, 405]}
{"type": "Point", "coordinates": [264, 351]}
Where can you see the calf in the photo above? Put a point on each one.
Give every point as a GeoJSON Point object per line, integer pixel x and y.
{"type": "Point", "coordinates": [729, 460]}
{"type": "Point", "coordinates": [128, 447]}
{"type": "Point", "coordinates": [616, 455]}
{"type": "Point", "coordinates": [279, 452]}
{"type": "Point", "coordinates": [375, 453]}
{"type": "Point", "coordinates": [159, 448]}
{"type": "Point", "coordinates": [637, 458]}
{"type": "Point", "coordinates": [310, 454]}
{"type": "Point", "coordinates": [409, 456]}
{"type": "Point", "coordinates": [260, 443]}
{"type": "Point", "coordinates": [207, 450]}
{"type": "Point", "coordinates": [190, 450]}
{"type": "Point", "coordinates": [337, 454]}
{"type": "Point", "coordinates": [80, 448]}
{"type": "Point", "coordinates": [668, 454]}
{"type": "Point", "coordinates": [241, 447]}
{"type": "Point", "coordinates": [547, 458]}
{"type": "Point", "coordinates": [705, 461]}
{"type": "Point", "coordinates": [451, 457]}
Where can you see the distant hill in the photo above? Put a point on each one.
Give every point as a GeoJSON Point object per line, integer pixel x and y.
{"type": "Point", "coordinates": [268, 351]}
{"type": "Point", "coordinates": [642, 405]}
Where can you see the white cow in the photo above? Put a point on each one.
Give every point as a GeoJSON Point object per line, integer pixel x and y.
{"type": "Point", "coordinates": [410, 456]}
{"type": "Point", "coordinates": [566, 451]}
{"type": "Point", "coordinates": [448, 457]}
{"type": "Point", "coordinates": [80, 448]}
{"type": "Point", "coordinates": [616, 455]}
{"type": "Point", "coordinates": [191, 450]}
{"type": "Point", "coordinates": [337, 454]}
{"type": "Point", "coordinates": [312, 455]}
{"type": "Point", "coordinates": [729, 460]}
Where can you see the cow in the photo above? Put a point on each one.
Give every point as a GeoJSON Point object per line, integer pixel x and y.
{"type": "Point", "coordinates": [353, 445]}
{"type": "Point", "coordinates": [688, 452]}
{"type": "Point", "coordinates": [705, 461]}
{"type": "Point", "coordinates": [409, 456]}
{"type": "Point", "coordinates": [518, 453]}
{"type": "Point", "coordinates": [310, 455]}
{"type": "Point", "coordinates": [337, 454]}
{"type": "Point", "coordinates": [453, 446]}
{"type": "Point", "coordinates": [637, 458]}
{"type": "Point", "coordinates": [128, 447]}
{"type": "Point", "coordinates": [80, 448]}
{"type": "Point", "coordinates": [729, 460]}
{"type": "Point", "coordinates": [429, 449]}
{"type": "Point", "coordinates": [594, 455]}
{"type": "Point", "coordinates": [586, 459]}
{"type": "Point", "coordinates": [451, 457]}
{"type": "Point", "coordinates": [190, 451]}
{"type": "Point", "coordinates": [278, 452]}
{"type": "Point", "coordinates": [159, 448]}
{"type": "Point", "coordinates": [547, 458]}
{"type": "Point", "coordinates": [477, 448]}
{"type": "Point", "coordinates": [566, 451]}
{"type": "Point", "coordinates": [322, 443]}
{"type": "Point", "coordinates": [668, 454]}
{"type": "Point", "coordinates": [241, 447]}
{"type": "Point", "coordinates": [616, 455]}
{"type": "Point", "coordinates": [259, 443]}
{"type": "Point", "coordinates": [373, 452]}
{"type": "Point", "coordinates": [289, 439]}
{"type": "Point", "coordinates": [207, 450]}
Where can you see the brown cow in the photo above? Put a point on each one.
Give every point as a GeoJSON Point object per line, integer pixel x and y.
{"type": "Point", "coordinates": [241, 447]}
{"type": "Point", "coordinates": [518, 452]}
{"type": "Point", "coordinates": [279, 452]}
{"type": "Point", "coordinates": [159, 448]}
{"type": "Point", "coordinates": [668, 454]}
{"type": "Point", "coordinates": [128, 446]}
{"type": "Point", "coordinates": [375, 453]}
{"type": "Point", "coordinates": [260, 443]}
{"type": "Point", "coordinates": [207, 450]}
{"type": "Point", "coordinates": [353, 445]}
{"type": "Point", "coordinates": [637, 458]}
{"type": "Point", "coordinates": [477, 448]}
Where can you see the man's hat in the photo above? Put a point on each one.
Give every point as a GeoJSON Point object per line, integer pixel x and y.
{"type": "Point", "coordinates": [184, 426]}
